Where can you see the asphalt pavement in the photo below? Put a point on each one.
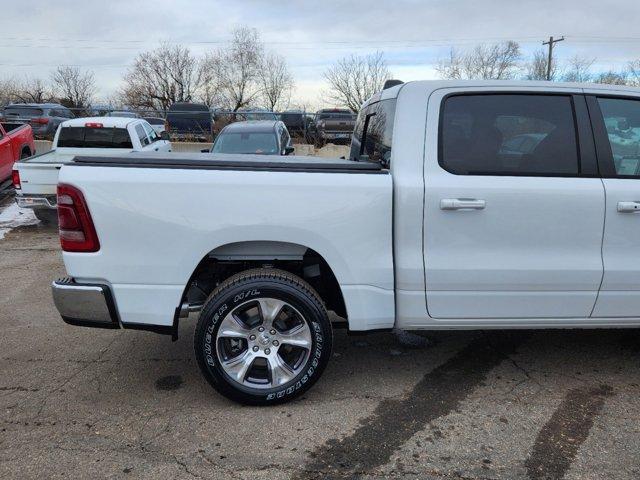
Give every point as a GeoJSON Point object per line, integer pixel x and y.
{"type": "Point", "coordinates": [86, 403]}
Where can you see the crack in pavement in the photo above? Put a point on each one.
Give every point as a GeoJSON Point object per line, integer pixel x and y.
{"type": "Point", "coordinates": [395, 421]}
{"type": "Point", "coordinates": [557, 444]}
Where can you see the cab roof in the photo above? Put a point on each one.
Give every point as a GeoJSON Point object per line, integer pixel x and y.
{"type": "Point", "coordinates": [107, 122]}
{"type": "Point", "coordinates": [431, 85]}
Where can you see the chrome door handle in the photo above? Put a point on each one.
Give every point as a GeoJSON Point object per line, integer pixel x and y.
{"type": "Point", "coordinates": [628, 207]}
{"type": "Point", "coordinates": [462, 204]}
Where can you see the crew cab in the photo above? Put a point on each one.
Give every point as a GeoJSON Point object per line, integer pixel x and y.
{"type": "Point", "coordinates": [16, 142]}
{"type": "Point", "coordinates": [35, 178]}
{"type": "Point", "coordinates": [438, 220]}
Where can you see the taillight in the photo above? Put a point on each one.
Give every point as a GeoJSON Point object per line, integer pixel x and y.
{"type": "Point", "coordinates": [77, 233]}
{"type": "Point", "coordinates": [40, 121]}
{"type": "Point", "coordinates": [15, 179]}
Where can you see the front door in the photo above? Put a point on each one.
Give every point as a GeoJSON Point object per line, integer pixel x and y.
{"type": "Point", "coordinates": [514, 210]}
{"type": "Point", "coordinates": [617, 128]}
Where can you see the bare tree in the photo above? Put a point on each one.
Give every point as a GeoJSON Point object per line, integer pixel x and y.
{"type": "Point", "coordinates": [579, 69]}
{"type": "Point", "coordinates": [33, 90]}
{"type": "Point", "coordinates": [232, 74]}
{"type": "Point", "coordinates": [633, 68]}
{"type": "Point", "coordinates": [612, 78]}
{"type": "Point", "coordinates": [536, 68]}
{"type": "Point", "coordinates": [276, 81]}
{"type": "Point", "coordinates": [74, 87]}
{"type": "Point", "coordinates": [162, 77]}
{"type": "Point", "coordinates": [354, 79]}
{"type": "Point", "coordinates": [8, 88]}
{"type": "Point", "coordinates": [498, 61]}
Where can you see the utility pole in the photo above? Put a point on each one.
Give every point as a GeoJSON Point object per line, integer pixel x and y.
{"type": "Point", "coordinates": [550, 59]}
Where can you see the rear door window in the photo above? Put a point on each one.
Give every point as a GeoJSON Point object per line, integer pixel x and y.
{"type": "Point", "coordinates": [509, 134]}
{"type": "Point", "coordinates": [373, 133]}
{"type": "Point", "coordinates": [26, 112]}
{"type": "Point", "coordinates": [151, 133]}
{"type": "Point", "coordinates": [142, 135]}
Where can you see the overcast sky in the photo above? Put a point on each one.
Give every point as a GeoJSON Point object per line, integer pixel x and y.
{"type": "Point", "coordinates": [105, 36]}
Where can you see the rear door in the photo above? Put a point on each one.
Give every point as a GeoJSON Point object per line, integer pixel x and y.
{"type": "Point", "coordinates": [514, 208]}
{"type": "Point", "coordinates": [616, 122]}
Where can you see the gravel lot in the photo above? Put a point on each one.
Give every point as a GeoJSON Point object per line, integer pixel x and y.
{"type": "Point", "coordinates": [84, 403]}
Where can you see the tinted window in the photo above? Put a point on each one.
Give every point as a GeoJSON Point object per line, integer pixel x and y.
{"type": "Point", "coordinates": [155, 121]}
{"type": "Point", "coordinates": [622, 120]}
{"type": "Point", "coordinates": [508, 134]}
{"type": "Point", "coordinates": [264, 143]}
{"type": "Point", "coordinates": [373, 133]}
{"type": "Point", "coordinates": [83, 137]}
{"type": "Point", "coordinates": [23, 112]}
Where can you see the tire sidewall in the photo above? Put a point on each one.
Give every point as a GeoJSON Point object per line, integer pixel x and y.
{"type": "Point", "coordinates": [245, 291]}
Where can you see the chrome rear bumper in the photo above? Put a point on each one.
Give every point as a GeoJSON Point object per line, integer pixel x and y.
{"type": "Point", "coordinates": [36, 201]}
{"type": "Point", "coordinates": [93, 305]}
{"type": "Point", "coordinates": [85, 305]}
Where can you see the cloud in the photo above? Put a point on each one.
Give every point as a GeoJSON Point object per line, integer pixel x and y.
{"type": "Point", "coordinates": [413, 34]}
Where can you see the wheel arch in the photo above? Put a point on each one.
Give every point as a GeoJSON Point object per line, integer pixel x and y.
{"type": "Point", "coordinates": [25, 148]}
{"type": "Point", "coordinates": [228, 259]}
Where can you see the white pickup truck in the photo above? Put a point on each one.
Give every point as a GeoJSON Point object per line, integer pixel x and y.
{"type": "Point", "coordinates": [464, 205]}
{"type": "Point", "coordinates": [35, 178]}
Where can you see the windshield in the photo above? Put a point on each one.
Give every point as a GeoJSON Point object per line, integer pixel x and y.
{"type": "Point", "coordinates": [85, 137]}
{"type": "Point", "coordinates": [261, 143]}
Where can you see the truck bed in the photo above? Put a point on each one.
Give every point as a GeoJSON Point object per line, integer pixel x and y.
{"type": "Point", "coordinates": [230, 162]}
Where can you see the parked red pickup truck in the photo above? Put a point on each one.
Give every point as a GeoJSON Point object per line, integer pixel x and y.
{"type": "Point", "coordinates": [16, 142]}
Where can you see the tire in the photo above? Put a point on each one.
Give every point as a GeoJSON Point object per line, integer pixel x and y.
{"type": "Point", "coordinates": [263, 367]}
{"type": "Point", "coordinates": [25, 154]}
{"type": "Point", "coordinates": [46, 216]}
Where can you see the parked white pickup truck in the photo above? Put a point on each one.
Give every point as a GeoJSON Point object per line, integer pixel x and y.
{"type": "Point", "coordinates": [37, 177]}
{"type": "Point", "coordinates": [464, 205]}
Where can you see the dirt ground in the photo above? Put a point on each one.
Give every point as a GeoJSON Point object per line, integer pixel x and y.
{"type": "Point", "coordinates": [84, 403]}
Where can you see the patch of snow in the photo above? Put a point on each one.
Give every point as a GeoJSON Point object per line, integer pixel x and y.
{"type": "Point", "coordinates": [12, 216]}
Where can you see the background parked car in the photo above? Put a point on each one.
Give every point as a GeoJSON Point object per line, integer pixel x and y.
{"type": "Point", "coordinates": [44, 118]}
{"type": "Point", "coordinates": [265, 137]}
{"type": "Point", "coordinates": [334, 125]}
{"type": "Point", "coordinates": [190, 121]}
{"type": "Point", "coordinates": [253, 113]}
{"type": "Point", "coordinates": [157, 123]}
{"type": "Point", "coordinates": [299, 123]}
{"type": "Point", "coordinates": [122, 114]}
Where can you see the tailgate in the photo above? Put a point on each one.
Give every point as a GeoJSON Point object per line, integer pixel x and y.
{"type": "Point", "coordinates": [38, 178]}
{"type": "Point", "coordinates": [39, 174]}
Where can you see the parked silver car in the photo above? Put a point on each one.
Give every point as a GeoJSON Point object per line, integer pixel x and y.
{"type": "Point", "coordinates": [265, 137]}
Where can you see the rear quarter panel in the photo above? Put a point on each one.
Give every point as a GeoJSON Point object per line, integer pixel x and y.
{"type": "Point", "coordinates": [156, 225]}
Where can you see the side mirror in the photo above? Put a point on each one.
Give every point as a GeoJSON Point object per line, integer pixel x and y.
{"type": "Point", "coordinates": [288, 150]}
{"type": "Point", "coordinates": [164, 135]}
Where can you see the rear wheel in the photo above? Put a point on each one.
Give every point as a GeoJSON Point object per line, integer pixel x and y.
{"type": "Point", "coordinates": [263, 337]}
